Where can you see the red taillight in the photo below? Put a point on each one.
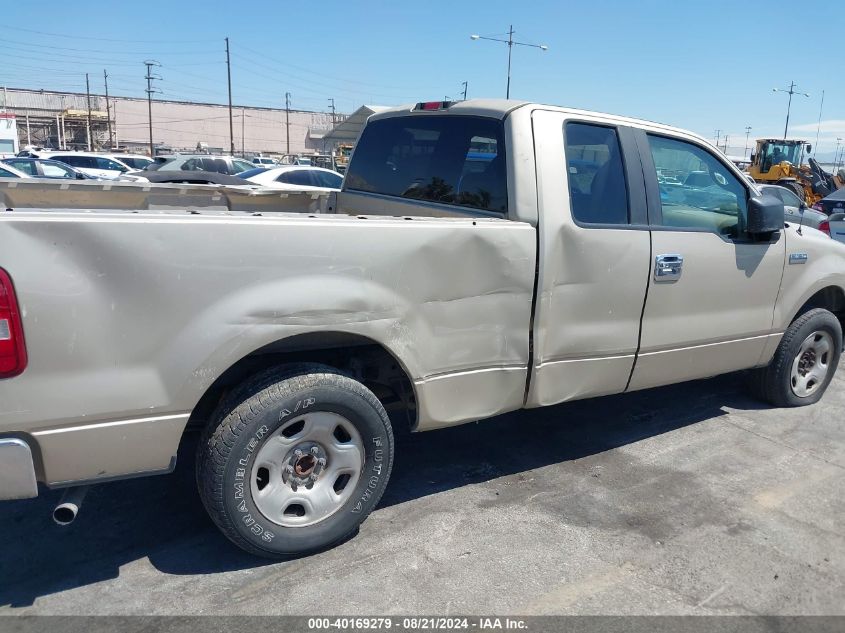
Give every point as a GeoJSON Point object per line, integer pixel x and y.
{"type": "Point", "coordinates": [824, 227]}
{"type": "Point", "coordinates": [12, 345]}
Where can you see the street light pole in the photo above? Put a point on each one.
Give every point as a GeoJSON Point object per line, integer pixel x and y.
{"type": "Point", "coordinates": [747, 133]}
{"type": "Point", "coordinates": [790, 92]}
{"type": "Point", "coordinates": [511, 43]}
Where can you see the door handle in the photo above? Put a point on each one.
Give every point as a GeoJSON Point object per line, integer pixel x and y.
{"type": "Point", "coordinates": [668, 267]}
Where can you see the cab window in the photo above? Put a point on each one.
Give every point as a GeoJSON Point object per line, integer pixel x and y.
{"type": "Point", "coordinates": [597, 190]}
{"type": "Point", "coordinates": [454, 160]}
{"type": "Point", "coordinates": [697, 190]}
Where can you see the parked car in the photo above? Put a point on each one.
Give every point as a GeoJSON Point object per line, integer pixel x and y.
{"type": "Point", "coordinates": [7, 171]}
{"type": "Point", "coordinates": [295, 177]}
{"type": "Point", "coordinates": [796, 209]}
{"type": "Point", "coordinates": [45, 168]}
{"type": "Point", "coordinates": [447, 292]}
{"type": "Point", "coordinates": [203, 162]}
{"type": "Point", "coordinates": [836, 222]}
{"type": "Point", "coordinates": [89, 163]}
{"type": "Point", "coordinates": [192, 177]}
{"type": "Point", "coordinates": [833, 203]}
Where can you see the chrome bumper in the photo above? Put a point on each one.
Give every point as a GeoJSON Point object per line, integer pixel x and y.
{"type": "Point", "coordinates": [17, 472]}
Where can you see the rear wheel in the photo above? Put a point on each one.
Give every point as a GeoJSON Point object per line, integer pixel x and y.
{"type": "Point", "coordinates": [294, 462]}
{"type": "Point", "coordinates": [804, 362]}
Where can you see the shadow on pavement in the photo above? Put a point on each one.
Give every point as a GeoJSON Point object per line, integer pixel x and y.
{"type": "Point", "coordinates": [161, 518]}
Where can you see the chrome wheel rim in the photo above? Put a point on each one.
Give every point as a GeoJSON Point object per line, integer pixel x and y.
{"type": "Point", "coordinates": [811, 364]}
{"type": "Point", "coordinates": [307, 469]}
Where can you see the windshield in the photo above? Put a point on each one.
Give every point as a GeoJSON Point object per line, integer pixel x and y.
{"type": "Point", "coordinates": [779, 152]}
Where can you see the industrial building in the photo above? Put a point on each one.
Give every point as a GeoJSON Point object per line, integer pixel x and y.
{"type": "Point", "coordinates": [67, 120]}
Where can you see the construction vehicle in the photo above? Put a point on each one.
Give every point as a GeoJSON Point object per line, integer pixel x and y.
{"type": "Point", "coordinates": [342, 155]}
{"type": "Point", "coordinates": [779, 162]}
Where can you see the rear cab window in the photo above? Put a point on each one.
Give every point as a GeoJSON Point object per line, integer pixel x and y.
{"type": "Point", "coordinates": [597, 188]}
{"type": "Point", "coordinates": [452, 160]}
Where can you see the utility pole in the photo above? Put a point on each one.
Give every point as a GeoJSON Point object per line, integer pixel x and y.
{"type": "Point", "coordinates": [718, 134]}
{"type": "Point", "coordinates": [747, 134]}
{"type": "Point", "coordinates": [229, 77]}
{"type": "Point", "coordinates": [511, 43]}
{"type": "Point", "coordinates": [243, 132]}
{"type": "Point", "coordinates": [150, 90]}
{"type": "Point", "coordinates": [331, 105]}
{"type": "Point", "coordinates": [108, 107]}
{"type": "Point", "coordinates": [465, 85]}
{"type": "Point", "coordinates": [726, 143]}
{"type": "Point", "coordinates": [287, 121]}
{"type": "Point", "coordinates": [790, 92]}
{"type": "Point", "coordinates": [88, 103]}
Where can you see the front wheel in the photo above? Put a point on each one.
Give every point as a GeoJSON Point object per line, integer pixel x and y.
{"type": "Point", "coordinates": [804, 362]}
{"type": "Point", "coordinates": [294, 461]}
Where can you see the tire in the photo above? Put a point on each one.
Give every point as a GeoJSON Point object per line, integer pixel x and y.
{"type": "Point", "coordinates": [273, 501]}
{"type": "Point", "coordinates": [795, 187]}
{"type": "Point", "coordinates": [804, 362]}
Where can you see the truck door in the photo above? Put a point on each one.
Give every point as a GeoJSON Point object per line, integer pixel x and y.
{"type": "Point", "coordinates": [712, 290]}
{"type": "Point", "coordinates": [594, 257]}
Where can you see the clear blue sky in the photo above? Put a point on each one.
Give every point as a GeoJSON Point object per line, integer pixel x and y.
{"type": "Point", "coordinates": [699, 65]}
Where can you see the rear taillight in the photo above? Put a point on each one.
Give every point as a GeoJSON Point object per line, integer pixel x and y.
{"type": "Point", "coordinates": [12, 345]}
{"type": "Point", "coordinates": [824, 227]}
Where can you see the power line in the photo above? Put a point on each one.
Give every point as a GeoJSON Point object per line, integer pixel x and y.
{"type": "Point", "coordinates": [96, 39]}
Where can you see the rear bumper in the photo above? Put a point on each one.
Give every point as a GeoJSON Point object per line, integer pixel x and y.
{"type": "Point", "coordinates": [17, 470]}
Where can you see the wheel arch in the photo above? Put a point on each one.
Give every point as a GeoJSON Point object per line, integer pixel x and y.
{"type": "Point", "coordinates": [831, 298]}
{"type": "Point", "coordinates": [363, 358]}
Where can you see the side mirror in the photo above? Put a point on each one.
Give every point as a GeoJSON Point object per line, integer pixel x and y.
{"type": "Point", "coordinates": [80, 176]}
{"type": "Point", "coordinates": [752, 157]}
{"type": "Point", "coordinates": [809, 149]}
{"type": "Point", "coordinates": [765, 215]}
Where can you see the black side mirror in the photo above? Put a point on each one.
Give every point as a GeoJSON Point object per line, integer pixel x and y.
{"type": "Point", "coordinates": [80, 176]}
{"type": "Point", "coordinates": [809, 149]}
{"type": "Point", "coordinates": [752, 157]}
{"type": "Point", "coordinates": [765, 215]}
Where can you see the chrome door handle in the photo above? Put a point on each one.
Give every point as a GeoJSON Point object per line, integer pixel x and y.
{"type": "Point", "coordinates": [668, 267]}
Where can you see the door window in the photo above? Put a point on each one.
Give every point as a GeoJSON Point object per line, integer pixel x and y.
{"type": "Point", "coordinates": [108, 164]}
{"type": "Point", "coordinates": [56, 170]}
{"type": "Point", "coordinates": [697, 191]}
{"type": "Point", "coordinates": [26, 166]}
{"type": "Point", "coordinates": [597, 190]}
{"type": "Point", "coordinates": [299, 177]}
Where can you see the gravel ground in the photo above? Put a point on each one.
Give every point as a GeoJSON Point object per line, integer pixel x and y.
{"type": "Point", "coordinates": [692, 499]}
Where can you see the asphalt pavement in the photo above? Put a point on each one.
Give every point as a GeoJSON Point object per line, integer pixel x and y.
{"type": "Point", "coordinates": [691, 499]}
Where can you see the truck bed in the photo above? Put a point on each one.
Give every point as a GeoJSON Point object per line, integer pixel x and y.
{"type": "Point", "coordinates": [129, 317]}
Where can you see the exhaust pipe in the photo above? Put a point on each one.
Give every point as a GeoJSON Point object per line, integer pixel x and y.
{"type": "Point", "coordinates": [69, 505]}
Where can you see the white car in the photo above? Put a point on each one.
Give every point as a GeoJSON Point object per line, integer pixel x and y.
{"type": "Point", "coordinates": [295, 177]}
{"type": "Point", "coordinates": [89, 163]}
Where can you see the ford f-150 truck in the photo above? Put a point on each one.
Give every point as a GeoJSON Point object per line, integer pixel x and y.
{"type": "Point", "coordinates": [482, 256]}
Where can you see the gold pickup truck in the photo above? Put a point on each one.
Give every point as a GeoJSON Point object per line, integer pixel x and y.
{"type": "Point", "coordinates": [481, 257]}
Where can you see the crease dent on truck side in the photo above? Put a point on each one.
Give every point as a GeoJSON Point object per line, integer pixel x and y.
{"type": "Point", "coordinates": [481, 257]}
